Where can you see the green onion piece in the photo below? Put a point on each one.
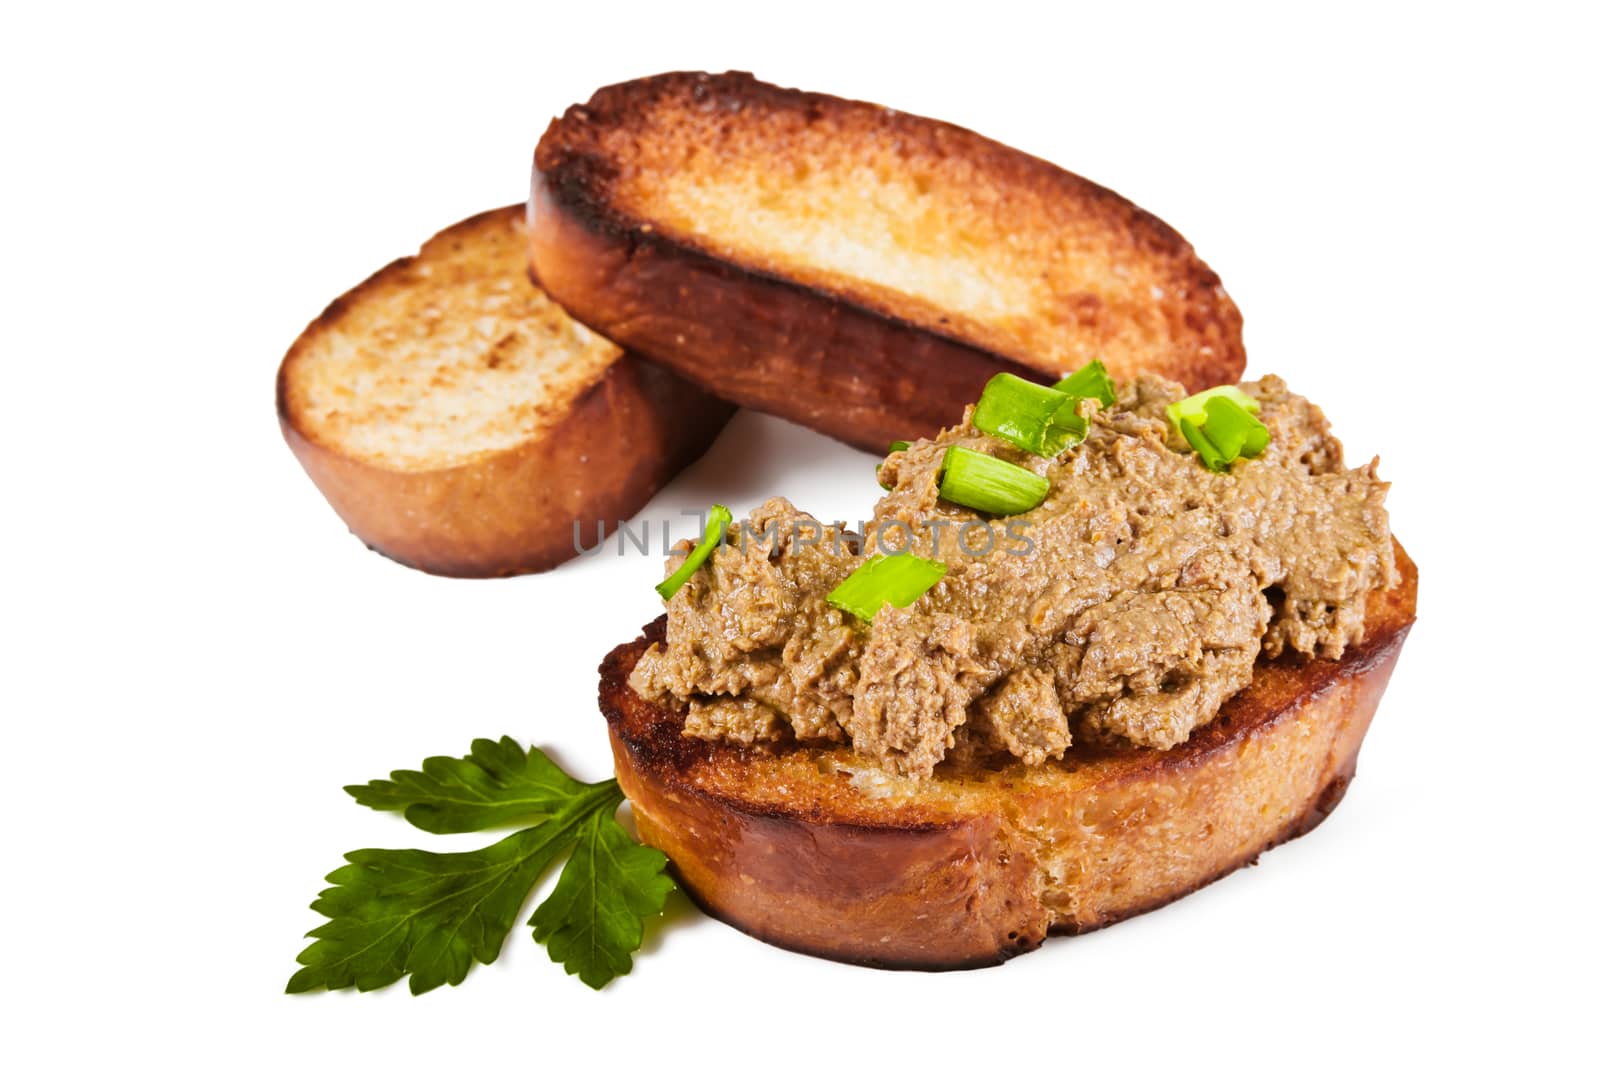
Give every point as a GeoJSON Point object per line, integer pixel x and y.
{"type": "Point", "coordinates": [984, 483]}
{"type": "Point", "coordinates": [1234, 430]}
{"type": "Point", "coordinates": [1225, 433]}
{"type": "Point", "coordinates": [1194, 407]}
{"type": "Point", "coordinates": [1035, 418]}
{"type": "Point", "coordinates": [1091, 382]}
{"type": "Point", "coordinates": [1208, 453]}
{"type": "Point", "coordinates": [718, 521]}
{"type": "Point", "coordinates": [897, 580]}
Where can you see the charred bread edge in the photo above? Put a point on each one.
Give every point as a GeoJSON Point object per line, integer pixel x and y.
{"type": "Point", "coordinates": [621, 267]}
{"type": "Point", "coordinates": [655, 761]}
{"type": "Point", "coordinates": [597, 439]}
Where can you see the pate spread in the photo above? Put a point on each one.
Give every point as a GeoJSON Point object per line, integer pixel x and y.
{"type": "Point", "coordinates": [1124, 609]}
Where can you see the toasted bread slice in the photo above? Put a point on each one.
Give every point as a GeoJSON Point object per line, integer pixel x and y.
{"type": "Point", "coordinates": [817, 851]}
{"type": "Point", "coordinates": [460, 422]}
{"type": "Point", "coordinates": [853, 268]}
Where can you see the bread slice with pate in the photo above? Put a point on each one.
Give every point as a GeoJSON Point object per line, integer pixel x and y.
{"type": "Point", "coordinates": [820, 851]}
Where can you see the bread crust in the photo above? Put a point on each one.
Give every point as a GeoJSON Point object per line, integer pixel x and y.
{"type": "Point", "coordinates": [859, 364]}
{"type": "Point", "coordinates": [970, 869]}
{"type": "Point", "coordinates": [511, 511]}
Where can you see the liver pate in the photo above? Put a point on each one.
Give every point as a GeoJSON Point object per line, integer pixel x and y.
{"type": "Point", "coordinates": [1125, 609]}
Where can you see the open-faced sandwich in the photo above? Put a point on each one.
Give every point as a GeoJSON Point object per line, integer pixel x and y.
{"type": "Point", "coordinates": [1097, 646]}
{"type": "Point", "coordinates": [1101, 642]}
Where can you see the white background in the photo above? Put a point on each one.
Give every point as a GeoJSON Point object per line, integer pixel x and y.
{"type": "Point", "coordinates": [1401, 200]}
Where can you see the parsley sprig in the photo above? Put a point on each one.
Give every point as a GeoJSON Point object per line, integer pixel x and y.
{"type": "Point", "coordinates": [429, 915]}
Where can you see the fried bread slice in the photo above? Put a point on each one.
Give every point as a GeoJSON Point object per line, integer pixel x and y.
{"type": "Point", "coordinates": [460, 422]}
{"type": "Point", "coordinates": [818, 851]}
{"type": "Point", "coordinates": [853, 268]}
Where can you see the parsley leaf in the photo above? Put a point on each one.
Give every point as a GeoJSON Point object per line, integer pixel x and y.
{"type": "Point", "coordinates": [496, 784]}
{"type": "Point", "coordinates": [429, 915]}
{"type": "Point", "coordinates": [396, 912]}
{"type": "Point", "coordinates": [592, 920]}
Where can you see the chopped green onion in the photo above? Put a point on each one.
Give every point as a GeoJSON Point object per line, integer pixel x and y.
{"type": "Point", "coordinates": [1194, 407]}
{"type": "Point", "coordinates": [716, 523]}
{"type": "Point", "coordinates": [897, 580]}
{"type": "Point", "coordinates": [1035, 418]}
{"type": "Point", "coordinates": [1208, 452]}
{"type": "Point", "coordinates": [984, 483]}
{"type": "Point", "coordinates": [1224, 431]}
{"type": "Point", "coordinates": [1091, 382]}
{"type": "Point", "coordinates": [1234, 430]}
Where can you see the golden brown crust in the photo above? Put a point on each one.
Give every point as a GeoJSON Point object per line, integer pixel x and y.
{"type": "Point", "coordinates": [513, 512]}
{"type": "Point", "coordinates": [507, 510]}
{"type": "Point", "coordinates": [862, 361]}
{"type": "Point", "coordinates": [801, 848]}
